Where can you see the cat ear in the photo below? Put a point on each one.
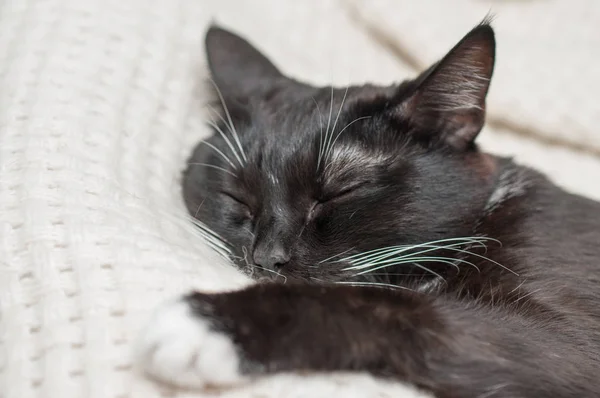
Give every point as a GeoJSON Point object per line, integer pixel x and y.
{"type": "Point", "coordinates": [449, 101]}
{"type": "Point", "coordinates": [235, 65]}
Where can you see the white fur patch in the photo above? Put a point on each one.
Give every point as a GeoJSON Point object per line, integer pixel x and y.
{"type": "Point", "coordinates": [512, 183]}
{"type": "Point", "coordinates": [179, 348]}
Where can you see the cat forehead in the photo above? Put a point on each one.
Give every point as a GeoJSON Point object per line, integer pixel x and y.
{"type": "Point", "coordinates": [307, 165]}
{"type": "Point", "coordinates": [347, 161]}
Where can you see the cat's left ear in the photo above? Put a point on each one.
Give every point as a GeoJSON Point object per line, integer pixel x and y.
{"type": "Point", "coordinates": [449, 101]}
{"type": "Point", "coordinates": [236, 66]}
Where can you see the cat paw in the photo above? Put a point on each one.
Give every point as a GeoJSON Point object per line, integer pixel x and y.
{"type": "Point", "coordinates": [181, 348]}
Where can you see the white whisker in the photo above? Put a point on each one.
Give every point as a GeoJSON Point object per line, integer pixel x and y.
{"type": "Point", "coordinates": [212, 166]}
{"type": "Point", "coordinates": [340, 133]}
{"type": "Point", "coordinates": [328, 144]}
{"type": "Point", "coordinates": [411, 256]}
{"type": "Point", "coordinates": [334, 256]}
{"type": "Point", "coordinates": [200, 230]}
{"type": "Point", "coordinates": [253, 266]}
{"type": "Point", "coordinates": [373, 260]}
{"type": "Point", "coordinates": [199, 207]}
{"type": "Point", "coordinates": [389, 251]}
{"type": "Point", "coordinates": [318, 110]}
{"type": "Point", "coordinates": [320, 128]}
{"type": "Point", "coordinates": [409, 261]}
{"type": "Point", "coordinates": [204, 227]}
{"type": "Point", "coordinates": [322, 146]}
{"type": "Point", "coordinates": [249, 231]}
{"type": "Point", "coordinates": [212, 239]}
{"type": "Point", "coordinates": [224, 136]}
{"type": "Point", "coordinates": [485, 258]}
{"type": "Point", "coordinates": [518, 287]}
{"type": "Point", "coordinates": [218, 151]}
{"type": "Point", "coordinates": [271, 271]}
{"type": "Point", "coordinates": [374, 284]}
{"type": "Point", "coordinates": [526, 295]}
{"type": "Point", "coordinates": [211, 236]}
{"type": "Point", "coordinates": [231, 125]}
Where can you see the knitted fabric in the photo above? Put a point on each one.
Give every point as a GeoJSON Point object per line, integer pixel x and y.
{"type": "Point", "coordinates": [101, 101]}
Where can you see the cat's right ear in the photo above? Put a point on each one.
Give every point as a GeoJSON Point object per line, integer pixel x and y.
{"type": "Point", "coordinates": [449, 102]}
{"type": "Point", "coordinates": [235, 65]}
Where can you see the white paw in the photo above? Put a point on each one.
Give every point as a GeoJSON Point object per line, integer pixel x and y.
{"type": "Point", "coordinates": [179, 348]}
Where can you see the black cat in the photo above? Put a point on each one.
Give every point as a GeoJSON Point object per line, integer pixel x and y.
{"type": "Point", "coordinates": [391, 244]}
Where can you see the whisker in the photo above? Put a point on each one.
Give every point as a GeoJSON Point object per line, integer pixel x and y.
{"type": "Point", "coordinates": [394, 250]}
{"type": "Point", "coordinates": [218, 250]}
{"type": "Point", "coordinates": [334, 256]}
{"type": "Point", "coordinates": [215, 243]}
{"type": "Point", "coordinates": [526, 295]}
{"type": "Point", "coordinates": [213, 166]}
{"type": "Point", "coordinates": [210, 234]}
{"type": "Point", "coordinates": [245, 251]}
{"type": "Point", "coordinates": [374, 284]}
{"type": "Point", "coordinates": [200, 226]}
{"type": "Point", "coordinates": [410, 261]}
{"type": "Point", "coordinates": [328, 145]}
{"type": "Point", "coordinates": [212, 237]}
{"type": "Point", "coordinates": [340, 133]}
{"type": "Point", "coordinates": [373, 260]}
{"type": "Point", "coordinates": [232, 127]}
{"type": "Point", "coordinates": [252, 266]}
{"type": "Point", "coordinates": [394, 274]}
{"type": "Point", "coordinates": [249, 231]}
{"type": "Point", "coordinates": [381, 250]}
{"type": "Point", "coordinates": [301, 231]}
{"type": "Point", "coordinates": [486, 258]}
{"type": "Point", "coordinates": [318, 110]}
{"type": "Point", "coordinates": [224, 136]}
{"type": "Point", "coordinates": [320, 129]}
{"type": "Point", "coordinates": [322, 146]}
{"type": "Point", "coordinates": [199, 207]}
{"type": "Point", "coordinates": [203, 232]}
{"type": "Point", "coordinates": [518, 287]}
{"type": "Point", "coordinates": [272, 271]}
{"type": "Point", "coordinates": [218, 151]}
{"type": "Point", "coordinates": [411, 256]}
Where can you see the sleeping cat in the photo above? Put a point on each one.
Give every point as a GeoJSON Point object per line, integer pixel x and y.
{"type": "Point", "coordinates": [385, 241]}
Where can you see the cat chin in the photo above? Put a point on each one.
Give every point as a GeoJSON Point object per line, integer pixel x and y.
{"type": "Point", "coordinates": [182, 349]}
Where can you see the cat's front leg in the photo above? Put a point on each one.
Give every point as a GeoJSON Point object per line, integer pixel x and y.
{"type": "Point", "coordinates": [226, 339]}
{"type": "Point", "coordinates": [441, 345]}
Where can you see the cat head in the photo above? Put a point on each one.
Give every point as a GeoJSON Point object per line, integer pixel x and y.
{"type": "Point", "coordinates": [297, 179]}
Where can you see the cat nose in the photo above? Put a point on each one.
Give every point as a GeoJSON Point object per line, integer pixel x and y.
{"type": "Point", "coordinates": [274, 257]}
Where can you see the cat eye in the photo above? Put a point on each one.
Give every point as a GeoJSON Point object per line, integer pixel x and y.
{"type": "Point", "coordinates": [240, 203]}
{"type": "Point", "coordinates": [337, 196]}
{"type": "Point", "coordinates": [342, 193]}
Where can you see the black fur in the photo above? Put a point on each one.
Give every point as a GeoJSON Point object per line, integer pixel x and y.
{"type": "Point", "coordinates": [516, 319]}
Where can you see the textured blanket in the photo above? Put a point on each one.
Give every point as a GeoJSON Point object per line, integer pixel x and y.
{"type": "Point", "coordinates": [101, 102]}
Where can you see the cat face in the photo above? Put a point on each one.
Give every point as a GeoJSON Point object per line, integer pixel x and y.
{"type": "Point", "coordinates": [297, 179]}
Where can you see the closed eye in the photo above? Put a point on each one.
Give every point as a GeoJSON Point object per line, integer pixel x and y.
{"type": "Point", "coordinates": [334, 198]}
{"type": "Point", "coordinates": [342, 194]}
{"type": "Point", "coordinates": [239, 201]}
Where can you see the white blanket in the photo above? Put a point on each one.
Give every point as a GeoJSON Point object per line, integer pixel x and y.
{"type": "Point", "coordinates": [101, 103]}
